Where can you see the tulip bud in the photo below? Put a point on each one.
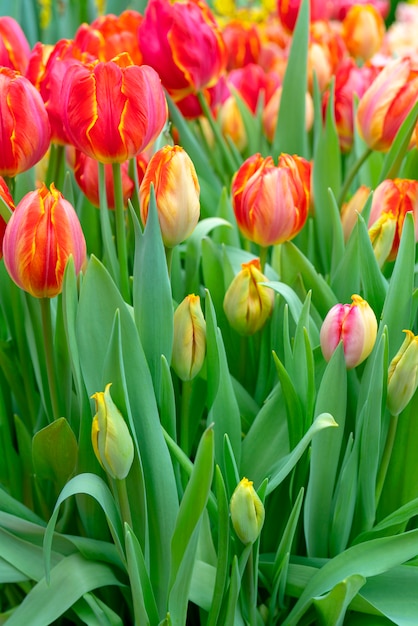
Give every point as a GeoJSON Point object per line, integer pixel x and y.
{"type": "Point", "coordinates": [355, 325]}
{"type": "Point", "coordinates": [189, 345]}
{"type": "Point", "coordinates": [247, 303]}
{"type": "Point", "coordinates": [403, 374]}
{"type": "Point", "coordinates": [247, 512]}
{"type": "Point", "coordinates": [110, 436]}
{"type": "Point", "coordinates": [42, 233]}
{"type": "Point", "coordinates": [177, 190]}
{"type": "Point", "coordinates": [363, 30]}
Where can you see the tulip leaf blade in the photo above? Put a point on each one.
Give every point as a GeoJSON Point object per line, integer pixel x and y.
{"type": "Point", "coordinates": [332, 606]}
{"type": "Point", "coordinates": [54, 451]}
{"type": "Point", "coordinates": [145, 609]}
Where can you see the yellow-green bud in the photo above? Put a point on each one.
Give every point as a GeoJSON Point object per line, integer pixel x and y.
{"type": "Point", "coordinates": [189, 346]}
{"type": "Point", "coordinates": [247, 511]}
{"type": "Point", "coordinates": [403, 374]}
{"type": "Point", "coordinates": [110, 436]}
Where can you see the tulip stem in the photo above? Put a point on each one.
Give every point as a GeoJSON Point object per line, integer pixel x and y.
{"type": "Point", "coordinates": [387, 453]}
{"type": "Point", "coordinates": [263, 253]}
{"type": "Point", "coordinates": [105, 227]}
{"type": "Point", "coordinates": [49, 355]}
{"type": "Point", "coordinates": [351, 175]}
{"type": "Point", "coordinates": [123, 499]}
{"type": "Point", "coordinates": [121, 232]}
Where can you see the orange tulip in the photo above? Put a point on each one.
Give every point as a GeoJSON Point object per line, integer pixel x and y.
{"type": "Point", "coordinates": [184, 44]}
{"type": "Point", "coordinates": [24, 127]}
{"type": "Point", "coordinates": [113, 110]}
{"type": "Point", "coordinates": [363, 30]}
{"type": "Point", "coordinates": [40, 236]}
{"type": "Point", "coordinates": [387, 102]}
{"type": "Point", "coordinates": [14, 47]}
{"type": "Point", "coordinates": [271, 202]}
{"type": "Point", "coordinates": [392, 199]}
{"type": "Point", "coordinates": [177, 190]}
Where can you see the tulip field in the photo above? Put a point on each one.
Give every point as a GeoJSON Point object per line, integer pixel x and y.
{"type": "Point", "coordinates": [208, 313]}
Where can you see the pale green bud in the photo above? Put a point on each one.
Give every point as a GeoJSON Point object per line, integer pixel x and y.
{"type": "Point", "coordinates": [403, 374]}
{"type": "Point", "coordinates": [189, 346]}
{"type": "Point", "coordinates": [247, 511]}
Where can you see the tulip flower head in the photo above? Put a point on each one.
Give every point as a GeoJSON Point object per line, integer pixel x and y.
{"type": "Point", "coordinates": [189, 346]}
{"type": "Point", "coordinates": [110, 436]}
{"type": "Point", "coordinates": [403, 374]}
{"type": "Point", "coordinates": [363, 30]}
{"type": "Point", "coordinates": [24, 126]}
{"type": "Point", "coordinates": [113, 110]}
{"type": "Point", "coordinates": [247, 512]}
{"type": "Point", "coordinates": [14, 47]}
{"type": "Point", "coordinates": [42, 233]}
{"type": "Point", "coordinates": [271, 202]}
{"type": "Point", "coordinates": [173, 175]}
{"type": "Point", "coordinates": [248, 304]}
{"type": "Point", "coordinates": [355, 325]}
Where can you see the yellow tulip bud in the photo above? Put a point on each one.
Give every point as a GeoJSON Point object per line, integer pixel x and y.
{"type": "Point", "coordinates": [189, 346]}
{"type": "Point", "coordinates": [247, 303]}
{"type": "Point", "coordinates": [110, 436]}
{"type": "Point", "coordinates": [403, 374]}
{"type": "Point", "coordinates": [247, 512]}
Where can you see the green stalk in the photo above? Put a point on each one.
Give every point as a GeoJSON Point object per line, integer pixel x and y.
{"type": "Point", "coordinates": [49, 355]}
{"type": "Point", "coordinates": [351, 175]}
{"type": "Point", "coordinates": [387, 453]}
{"type": "Point", "coordinates": [263, 254]}
{"type": "Point", "coordinates": [186, 391]}
{"type": "Point", "coordinates": [105, 227]}
{"type": "Point", "coordinates": [123, 500]}
{"type": "Point", "coordinates": [121, 232]}
{"type": "Point", "coordinates": [55, 171]}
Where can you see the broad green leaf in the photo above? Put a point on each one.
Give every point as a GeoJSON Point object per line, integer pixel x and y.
{"type": "Point", "coordinates": [194, 250]}
{"type": "Point", "coordinates": [145, 609]}
{"type": "Point", "coordinates": [54, 452]}
{"type": "Point", "coordinates": [331, 607]}
{"type": "Point", "coordinates": [202, 584]}
{"type": "Point", "coordinates": [373, 282]}
{"type": "Point", "coordinates": [293, 404]}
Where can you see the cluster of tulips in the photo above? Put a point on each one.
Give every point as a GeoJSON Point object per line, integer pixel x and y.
{"type": "Point", "coordinates": [267, 186]}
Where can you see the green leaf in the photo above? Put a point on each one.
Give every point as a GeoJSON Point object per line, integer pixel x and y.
{"type": "Point", "coordinates": [145, 609]}
{"type": "Point", "coordinates": [373, 282]}
{"type": "Point", "coordinates": [290, 135]}
{"type": "Point", "coordinates": [331, 607]}
{"type": "Point", "coordinates": [54, 452]}
{"type": "Point", "coordinates": [399, 147]}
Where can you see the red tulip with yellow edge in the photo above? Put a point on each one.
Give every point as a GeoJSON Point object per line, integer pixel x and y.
{"type": "Point", "coordinates": [14, 46]}
{"type": "Point", "coordinates": [113, 110]}
{"type": "Point", "coordinates": [24, 126]}
{"type": "Point", "coordinates": [392, 200]}
{"type": "Point", "coordinates": [41, 235]}
{"type": "Point", "coordinates": [247, 303]}
{"type": "Point", "coordinates": [183, 43]}
{"type": "Point", "coordinates": [177, 191]}
{"type": "Point", "coordinates": [271, 202]}
{"type": "Point", "coordinates": [355, 325]}
{"type": "Point", "coordinates": [386, 103]}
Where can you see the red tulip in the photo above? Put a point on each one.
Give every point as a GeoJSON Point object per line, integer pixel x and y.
{"type": "Point", "coordinates": [183, 43]}
{"type": "Point", "coordinates": [14, 47]}
{"type": "Point", "coordinates": [40, 236]}
{"type": "Point", "coordinates": [86, 173]}
{"type": "Point", "coordinates": [271, 202]}
{"type": "Point", "coordinates": [113, 110]}
{"type": "Point", "coordinates": [24, 126]}
{"type": "Point", "coordinates": [288, 11]}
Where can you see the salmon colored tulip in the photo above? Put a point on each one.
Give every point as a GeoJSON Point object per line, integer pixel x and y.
{"type": "Point", "coordinates": [109, 35]}
{"type": "Point", "coordinates": [184, 44]}
{"type": "Point", "coordinates": [363, 30]}
{"type": "Point", "coordinates": [113, 110]}
{"type": "Point", "coordinates": [392, 200]}
{"type": "Point", "coordinates": [40, 236]}
{"type": "Point", "coordinates": [271, 202]}
{"type": "Point", "coordinates": [14, 47]}
{"type": "Point", "coordinates": [355, 325]}
{"type": "Point", "coordinates": [248, 303]}
{"type": "Point", "coordinates": [173, 175]}
{"type": "Point", "coordinates": [8, 200]}
{"type": "Point", "coordinates": [387, 102]}
{"type": "Point", "coordinates": [24, 126]}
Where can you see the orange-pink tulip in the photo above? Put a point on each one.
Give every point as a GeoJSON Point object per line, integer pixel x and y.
{"type": "Point", "coordinates": [363, 30]}
{"type": "Point", "coordinates": [355, 325]}
{"type": "Point", "coordinates": [113, 110]}
{"type": "Point", "coordinates": [40, 236]}
{"type": "Point", "coordinates": [387, 102]}
{"type": "Point", "coordinates": [173, 175]}
{"type": "Point", "coordinates": [24, 126]}
{"type": "Point", "coordinates": [271, 202]}
{"type": "Point", "coordinates": [184, 44]}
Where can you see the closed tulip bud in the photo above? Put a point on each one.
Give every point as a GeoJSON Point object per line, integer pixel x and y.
{"type": "Point", "coordinates": [24, 125]}
{"type": "Point", "coordinates": [247, 512]}
{"type": "Point", "coordinates": [403, 374]}
{"type": "Point", "coordinates": [189, 346]}
{"type": "Point", "coordinates": [392, 200]}
{"type": "Point", "coordinates": [351, 209]}
{"type": "Point", "coordinates": [173, 175]}
{"type": "Point", "coordinates": [14, 47]}
{"type": "Point", "coordinates": [42, 233]}
{"type": "Point", "coordinates": [110, 436]}
{"type": "Point", "coordinates": [247, 303]}
{"type": "Point", "coordinates": [112, 110]}
{"type": "Point", "coordinates": [271, 202]}
{"type": "Point", "coordinates": [355, 325]}
{"type": "Point", "coordinates": [363, 29]}
{"type": "Point", "coordinates": [386, 103]}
